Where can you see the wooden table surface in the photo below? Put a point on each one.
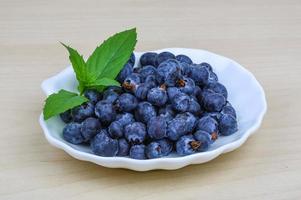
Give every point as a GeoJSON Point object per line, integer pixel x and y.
{"type": "Point", "coordinates": [264, 36]}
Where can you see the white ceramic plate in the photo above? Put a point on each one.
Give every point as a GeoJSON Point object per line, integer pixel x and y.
{"type": "Point", "coordinates": [245, 94]}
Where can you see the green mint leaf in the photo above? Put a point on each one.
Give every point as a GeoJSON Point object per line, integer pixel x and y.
{"type": "Point", "coordinates": [108, 59]}
{"type": "Point", "coordinates": [60, 102]}
{"type": "Point", "coordinates": [79, 66]}
{"type": "Point", "coordinates": [104, 82]}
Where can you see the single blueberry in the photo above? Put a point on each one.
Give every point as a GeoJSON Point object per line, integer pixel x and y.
{"type": "Point", "coordinates": [169, 72]}
{"type": "Point", "coordinates": [135, 132]}
{"type": "Point", "coordinates": [184, 59]}
{"type": "Point", "coordinates": [72, 133]}
{"type": "Point", "coordinates": [206, 65]}
{"type": "Point", "coordinates": [105, 112]}
{"type": "Point", "coordinates": [167, 112]}
{"type": "Point", "coordinates": [137, 152]}
{"type": "Point", "coordinates": [157, 127]}
{"type": "Point", "coordinates": [151, 81]}
{"type": "Point", "coordinates": [66, 116]}
{"type": "Point", "coordinates": [187, 145]}
{"type": "Point", "coordinates": [213, 102]}
{"type": "Point", "coordinates": [204, 138]}
{"type": "Point", "coordinates": [110, 96]}
{"type": "Point", "coordinates": [82, 112]}
{"type": "Point", "coordinates": [228, 109]}
{"type": "Point", "coordinates": [146, 71]}
{"type": "Point", "coordinates": [90, 127]}
{"type": "Point", "coordinates": [180, 102]}
{"type": "Point", "coordinates": [227, 125]}
{"type": "Point", "coordinates": [209, 125]}
{"type": "Point", "coordinates": [194, 107]}
{"type": "Point", "coordinates": [212, 77]}
{"type": "Point", "coordinates": [172, 91]}
{"type": "Point", "coordinates": [103, 145]}
{"type": "Point", "coordinates": [141, 91]}
{"type": "Point", "coordinates": [217, 88]}
{"type": "Point", "coordinates": [153, 150]}
{"type": "Point", "coordinates": [125, 72]}
{"type": "Point", "coordinates": [131, 81]}
{"type": "Point", "coordinates": [186, 85]}
{"type": "Point", "coordinates": [93, 95]}
{"type": "Point", "coordinates": [126, 102]}
{"type": "Point", "coordinates": [157, 96]}
{"type": "Point", "coordinates": [145, 111]}
{"type": "Point", "coordinates": [199, 74]}
{"type": "Point", "coordinates": [166, 146]}
{"type": "Point", "coordinates": [148, 58]}
{"type": "Point", "coordinates": [123, 147]}
{"type": "Point", "coordinates": [163, 56]}
{"type": "Point", "coordinates": [115, 129]}
{"type": "Point", "coordinates": [125, 118]}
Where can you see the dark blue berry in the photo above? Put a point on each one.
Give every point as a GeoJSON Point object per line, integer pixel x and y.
{"type": "Point", "coordinates": [90, 127]}
{"type": "Point", "coordinates": [204, 139]}
{"type": "Point", "coordinates": [126, 102]}
{"type": "Point", "coordinates": [132, 59]}
{"type": "Point", "coordinates": [213, 102]}
{"type": "Point", "coordinates": [184, 59]}
{"type": "Point", "coordinates": [123, 147]}
{"type": "Point", "coordinates": [228, 109]}
{"type": "Point", "coordinates": [172, 91]}
{"type": "Point", "coordinates": [125, 118]}
{"type": "Point", "coordinates": [163, 56]}
{"type": "Point", "coordinates": [157, 127]}
{"type": "Point", "coordinates": [227, 125]}
{"type": "Point", "coordinates": [153, 150]}
{"type": "Point", "coordinates": [147, 70]}
{"type": "Point", "coordinates": [93, 95]}
{"type": "Point", "coordinates": [151, 81]}
{"type": "Point", "coordinates": [180, 102]}
{"type": "Point", "coordinates": [105, 112]}
{"type": "Point", "coordinates": [83, 111]}
{"type": "Point", "coordinates": [199, 74]}
{"type": "Point", "coordinates": [131, 81]}
{"type": "Point", "coordinates": [166, 146]}
{"type": "Point", "coordinates": [212, 77]}
{"type": "Point", "coordinates": [217, 88]}
{"type": "Point", "coordinates": [167, 112]}
{"type": "Point", "coordinates": [187, 145]}
{"type": "Point", "coordinates": [137, 152]}
{"type": "Point", "coordinates": [141, 91]}
{"type": "Point", "coordinates": [145, 111]}
{"type": "Point", "coordinates": [186, 85]}
{"type": "Point", "coordinates": [206, 65]}
{"type": "Point", "coordinates": [115, 129]}
{"type": "Point", "coordinates": [103, 145]}
{"type": "Point", "coordinates": [66, 116]}
{"type": "Point", "coordinates": [135, 133]}
{"type": "Point", "coordinates": [169, 72]}
{"type": "Point", "coordinates": [148, 58]}
{"type": "Point", "coordinates": [125, 72]}
{"type": "Point", "coordinates": [72, 133]}
{"type": "Point", "coordinates": [110, 96]}
{"type": "Point", "coordinates": [194, 107]}
{"type": "Point", "coordinates": [209, 125]}
{"type": "Point", "coordinates": [157, 96]}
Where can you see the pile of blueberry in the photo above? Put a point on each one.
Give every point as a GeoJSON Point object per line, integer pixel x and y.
{"type": "Point", "coordinates": [167, 104]}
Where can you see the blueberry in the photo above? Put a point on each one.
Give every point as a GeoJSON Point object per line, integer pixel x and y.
{"type": "Point", "coordinates": [199, 74]}
{"type": "Point", "coordinates": [131, 81]}
{"type": "Point", "coordinates": [186, 85]}
{"type": "Point", "coordinates": [212, 77]}
{"type": "Point", "coordinates": [116, 89]}
{"type": "Point", "coordinates": [172, 91]}
{"type": "Point", "coordinates": [186, 69]}
{"type": "Point", "coordinates": [125, 118]}
{"type": "Point", "coordinates": [72, 133]}
{"type": "Point", "coordinates": [135, 132]}
{"type": "Point", "coordinates": [180, 102]}
{"type": "Point", "coordinates": [126, 102]}
{"type": "Point", "coordinates": [157, 127]}
{"type": "Point", "coordinates": [197, 92]}
{"type": "Point", "coordinates": [227, 125]}
{"type": "Point", "coordinates": [115, 129]}
{"type": "Point", "coordinates": [148, 58]}
{"type": "Point", "coordinates": [151, 81]}
{"type": "Point", "coordinates": [217, 88]}
{"type": "Point", "coordinates": [141, 91]}
{"type": "Point", "coordinates": [182, 124]}
{"type": "Point", "coordinates": [147, 70]}
{"type": "Point", "coordinates": [157, 96]}
{"type": "Point", "coordinates": [169, 72]}
{"type": "Point", "coordinates": [132, 59]}
{"type": "Point", "coordinates": [167, 112]}
{"type": "Point", "coordinates": [103, 145]}
{"type": "Point", "coordinates": [184, 59]}
{"type": "Point", "coordinates": [206, 65]}
{"type": "Point", "coordinates": [228, 109]}
{"type": "Point", "coordinates": [110, 96]}
{"type": "Point", "coordinates": [125, 72]}
{"type": "Point", "coordinates": [123, 147]}
{"type": "Point", "coordinates": [83, 111]}
{"type": "Point", "coordinates": [90, 127]}
{"type": "Point", "coordinates": [137, 152]}
{"type": "Point", "coordinates": [153, 150]}
{"type": "Point", "coordinates": [204, 138]}
{"type": "Point", "coordinates": [213, 102]}
{"type": "Point", "coordinates": [105, 112]}
{"type": "Point", "coordinates": [93, 95]}
{"type": "Point", "coordinates": [194, 107]}
{"type": "Point", "coordinates": [187, 145]}
{"type": "Point", "coordinates": [214, 115]}
{"type": "Point", "coordinates": [166, 146]}
{"type": "Point", "coordinates": [66, 116]}
{"type": "Point", "coordinates": [145, 111]}
{"type": "Point", "coordinates": [209, 125]}
{"type": "Point", "coordinates": [163, 56]}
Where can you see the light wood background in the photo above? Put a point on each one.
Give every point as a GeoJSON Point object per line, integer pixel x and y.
{"type": "Point", "coordinates": [264, 36]}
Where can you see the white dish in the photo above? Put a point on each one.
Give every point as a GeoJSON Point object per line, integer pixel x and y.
{"type": "Point", "coordinates": [245, 94]}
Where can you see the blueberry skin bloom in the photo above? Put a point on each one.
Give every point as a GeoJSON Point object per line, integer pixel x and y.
{"type": "Point", "coordinates": [194, 107]}
{"type": "Point", "coordinates": [163, 56]}
{"type": "Point", "coordinates": [169, 72]}
{"type": "Point", "coordinates": [131, 81]}
{"type": "Point", "coordinates": [123, 147]}
{"type": "Point", "coordinates": [66, 116]}
{"type": "Point", "coordinates": [167, 112]}
{"type": "Point", "coordinates": [228, 109]}
{"type": "Point", "coordinates": [157, 128]}
{"type": "Point", "coordinates": [187, 145]}
{"type": "Point", "coordinates": [72, 133]}
{"type": "Point", "coordinates": [186, 85]}
{"type": "Point", "coordinates": [148, 58]}
{"type": "Point", "coordinates": [213, 102]}
{"type": "Point", "coordinates": [157, 96]}
{"type": "Point", "coordinates": [83, 111]}
{"type": "Point", "coordinates": [141, 91]}
{"type": "Point", "coordinates": [125, 118]}
{"type": "Point", "coordinates": [126, 102]}
{"type": "Point", "coordinates": [204, 138]}
{"type": "Point", "coordinates": [115, 129]}
{"type": "Point", "coordinates": [105, 112]}
{"type": "Point", "coordinates": [110, 96]}
{"type": "Point", "coordinates": [137, 152]}
{"type": "Point", "coordinates": [180, 102]}
{"type": "Point", "coordinates": [147, 70]}
{"type": "Point", "coordinates": [166, 146]}
{"type": "Point", "coordinates": [93, 95]}
{"type": "Point", "coordinates": [209, 125]}
{"type": "Point", "coordinates": [172, 91]}
{"type": "Point", "coordinates": [199, 74]}
{"type": "Point", "coordinates": [153, 150]}
{"type": "Point", "coordinates": [183, 59]}
{"type": "Point", "coordinates": [227, 125]}
{"type": "Point", "coordinates": [145, 111]}
{"type": "Point", "coordinates": [103, 145]}
{"type": "Point", "coordinates": [125, 72]}
{"type": "Point", "coordinates": [217, 88]}
{"type": "Point", "coordinates": [90, 127]}
{"type": "Point", "coordinates": [135, 133]}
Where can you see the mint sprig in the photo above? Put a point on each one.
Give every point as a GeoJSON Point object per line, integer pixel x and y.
{"type": "Point", "coordinates": [99, 71]}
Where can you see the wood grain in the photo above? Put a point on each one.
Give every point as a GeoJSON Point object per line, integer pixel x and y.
{"type": "Point", "coordinates": [264, 36]}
